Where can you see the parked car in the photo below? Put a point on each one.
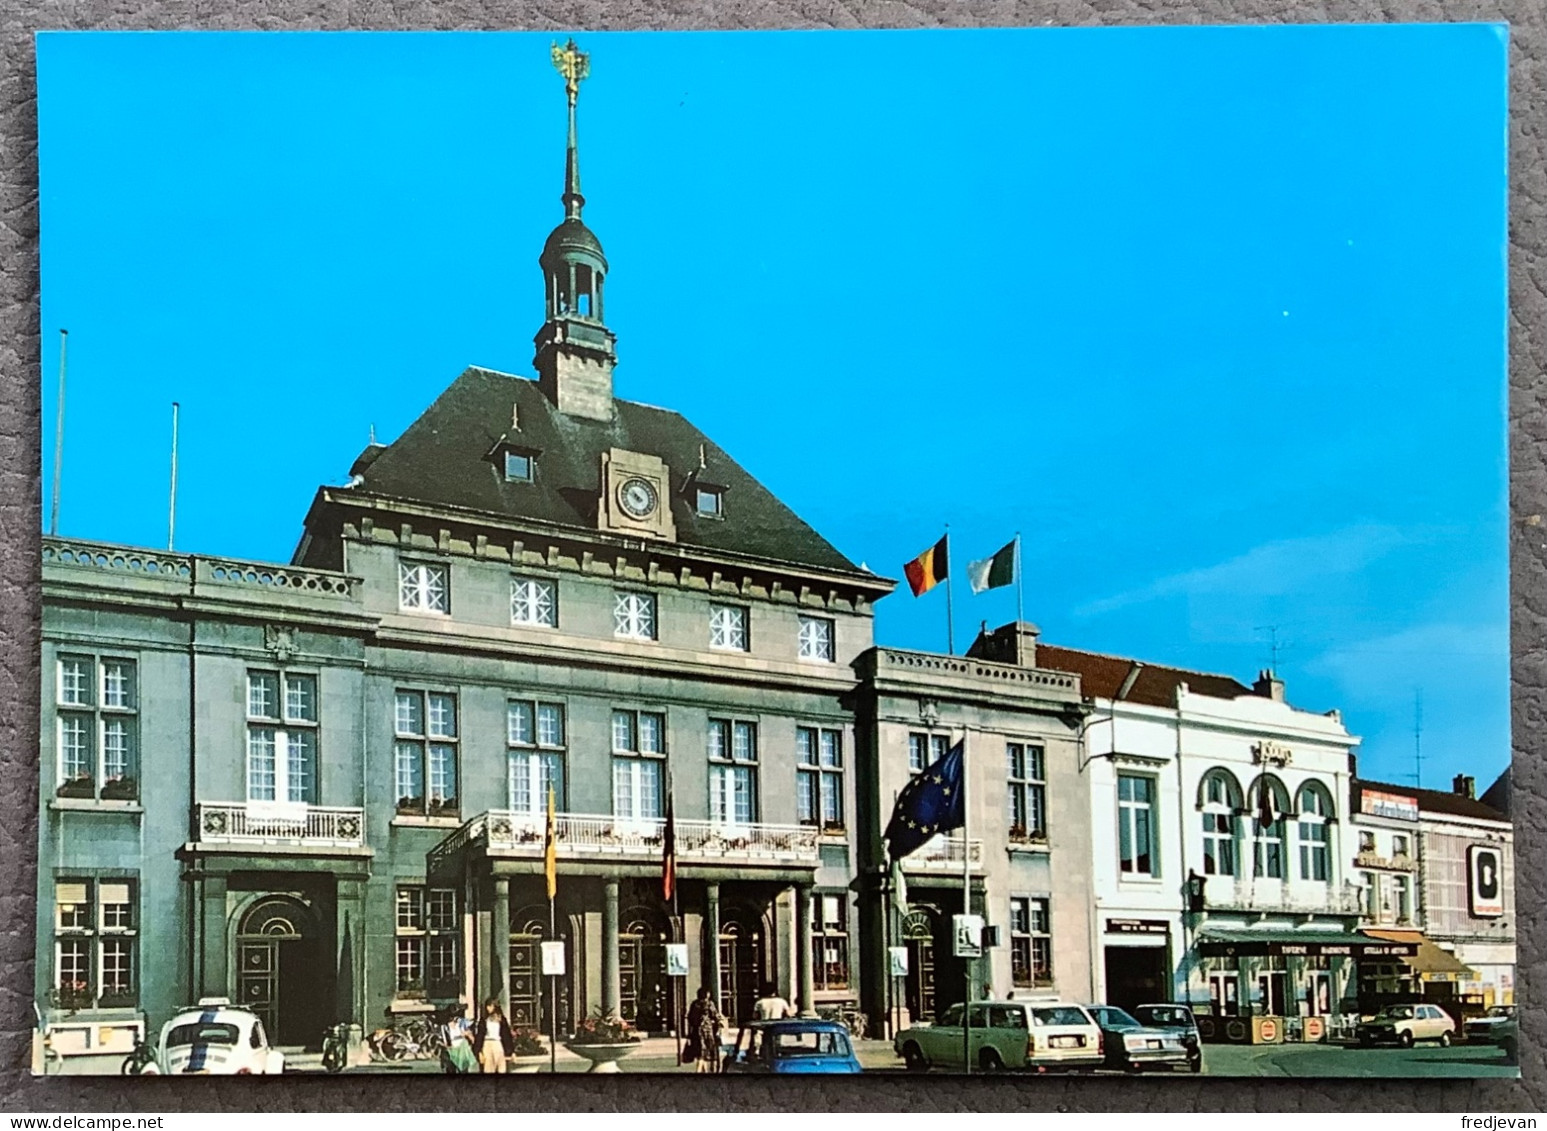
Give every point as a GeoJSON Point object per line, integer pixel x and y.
{"type": "Point", "coordinates": [216, 1038]}
{"type": "Point", "coordinates": [1178, 1019]}
{"type": "Point", "coordinates": [1499, 1026]}
{"type": "Point", "coordinates": [1038, 1035]}
{"type": "Point", "coordinates": [793, 1046]}
{"type": "Point", "coordinates": [1134, 1047]}
{"type": "Point", "coordinates": [1405, 1024]}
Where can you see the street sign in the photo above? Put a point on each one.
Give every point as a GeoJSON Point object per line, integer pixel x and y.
{"type": "Point", "coordinates": [553, 959]}
{"type": "Point", "coordinates": [898, 956]}
{"type": "Point", "coordinates": [967, 936]}
{"type": "Point", "coordinates": [677, 959]}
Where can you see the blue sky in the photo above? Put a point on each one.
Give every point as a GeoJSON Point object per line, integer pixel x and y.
{"type": "Point", "coordinates": [1214, 317]}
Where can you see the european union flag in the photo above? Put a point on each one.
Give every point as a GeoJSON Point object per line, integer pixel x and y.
{"type": "Point", "coordinates": [931, 803]}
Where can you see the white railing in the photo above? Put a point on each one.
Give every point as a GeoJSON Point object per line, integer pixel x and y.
{"type": "Point", "coordinates": [942, 854]}
{"type": "Point", "coordinates": [280, 824]}
{"type": "Point", "coordinates": [598, 836]}
{"type": "Point", "coordinates": [1276, 895]}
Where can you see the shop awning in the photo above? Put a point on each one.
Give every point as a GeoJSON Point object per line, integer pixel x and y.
{"type": "Point", "coordinates": [1427, 958]}
{"type": "Point", "coordinates": [1218, 942]}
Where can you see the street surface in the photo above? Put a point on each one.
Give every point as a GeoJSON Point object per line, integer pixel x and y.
{"type": "Point", "coordinates": [659, 1054]}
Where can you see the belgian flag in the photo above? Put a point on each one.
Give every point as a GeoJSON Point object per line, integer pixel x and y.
{"type": "Point", "coordinates": [928, 569]}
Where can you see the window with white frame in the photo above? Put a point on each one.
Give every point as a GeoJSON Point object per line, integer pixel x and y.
{"type": "Point", "coordinates": [633, 616]}
{"type": "Point", "coordinates": [534, 601]}
{"type": "Point", "coordinates": [732, 771]}
{"type": "Point", "coordinates": [98, 728]}
{"type": "Point", "coordinates": [518, 466]}
{"type": "Point", "coordinates": [819, 778]}
{"type": "Point", "coordinates": [709, 502]}
{"type": "Point", "coordinates": [282, 725]}
{"type": "Point", "coordinates": [1402, 898]}
{"type": "Point", "coordinates": [830, 941]}
{"type": "Point", "coordinates": [1221, 798]}
{"type": "Point", "coordinates": [1398, 844]}
{"type": "Point", "coordinates": [95, 936]}
{"type": "Point", "coordinates": [535, 738]}
{"type": "Point", "coordinates": [728, 628]}
{"type": "Point", "coordinates": [638, 761]}
{"type": "Point", "coordinates": [1136, 825]}
{"type": "Point", "coordinates": [427, 942]}
{"type": "Point", "coordinates": [424, 750]}
{"type": "Point", "coordinates": [816, 639]}
{"type": "Point", "coordinates": [1366, 840]}
{"type": "Point", "coordinates": [1031, 942]}
{"type": "Point", "coordinates": [1026, 791]}
{"type": "Point", "coordinates": [1315, 822]}
{"type": "Point", "coordinates": [925, 750]}
{"type": "Point", "coordinates": [1267, 836]}
{"type": "Point", "coordinates": [423, 588]}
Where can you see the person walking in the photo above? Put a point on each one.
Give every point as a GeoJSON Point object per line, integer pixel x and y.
{"type": "Point", "coordinates": [458, 1055]}
{"type": "Point", "coordinates": [704, 1025]}
{"type": "Point", "coordinates": [493, 1039]}
{"type": "Point", "coordinates": [771, 1007]}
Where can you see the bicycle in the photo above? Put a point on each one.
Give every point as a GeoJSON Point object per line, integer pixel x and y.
{"type": "Point", "coordinates": [417, 1039]}
{"type": "Point", "coordinates": [141, 1058]}
{"type": "Point", "coordinates": [335, 1047]}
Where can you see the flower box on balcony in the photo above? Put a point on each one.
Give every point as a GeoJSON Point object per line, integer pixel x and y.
{"type": "Point", "coordinates": [120, 789]}
{"type": "Point", "coordinates": [71, 997]}
{"type": "Point", "coordinates": [444, 807]}
{"type": "Point", "coordinates": [82, 786]}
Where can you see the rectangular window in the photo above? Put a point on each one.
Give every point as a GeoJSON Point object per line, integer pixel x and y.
{"type": "Point", "coordinates": [816, 639]}
{"type": "Point", "coordinates": [94, 943]}
{"type": "Point", "coordinates": [728, 628]}
{"type": "Point", "coordinates": [830, 941]}
{"type": "Point", "coordinates": [709, 503]}
{"type": "Point", "coordinates": [925, 750]}
{"type": "Point", "coordinates": [633, 616]}
{"type": "Point", "coordinates": [1366, 841]}
{"type": "Point", "coordinates": [536, 756]}
{"type": "Point", "coordinates": [98, 739]}
{"type": "Point", "coordinates": [732, 750]}
{"type": "Point", "coordinates": [427, 942]}
{"type": "Point", "coordinates": [1268, 848]}
{"type": "Point", "coordinates": [424, 758]}
{"type": "Point", "coordinates": [1315, 859]}
{"type": "Point", "coordinates": [1026, 792]}
{"type": "Point", "coordinates": [1136, 825]}
{"type": "Point", "coordinates": [518, 467]}
{"type": "Point", "coordinates": [1218, 842]}
{"type": "Point", "coordinates": [423, 588]}
{"type": "Point", "coordinates": [534, 601]}
{"type": "Point", "coordinates": [819, 778]}
{"type": "Point", "coordinates": [639, 748]}
{"type": "Point", "coordinates": [1031, 942]}
{"type": "Point", "coordinates": [282, 724]}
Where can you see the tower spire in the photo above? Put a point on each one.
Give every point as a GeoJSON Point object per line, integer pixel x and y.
{"type": "Point", "coordinates": [575, 66]}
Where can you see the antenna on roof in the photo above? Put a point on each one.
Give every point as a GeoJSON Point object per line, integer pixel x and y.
{"type": "Point", "coordinates": [373, 435]}
{"type": "Point", "coordinates": [1275, 649]}
{"type": "Point", "coordinates": [53, 509]}
{"type": "Point", "coordinates": [1418, 737]}
{"type": "Point", "coordinates": [172, 493]}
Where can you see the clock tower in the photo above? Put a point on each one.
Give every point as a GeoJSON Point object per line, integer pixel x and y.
{"type": "Point", "coordinates": [575, 350]}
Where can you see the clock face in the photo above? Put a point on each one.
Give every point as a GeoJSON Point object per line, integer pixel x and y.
{"type": "Point", "coordinates": [637, 497]}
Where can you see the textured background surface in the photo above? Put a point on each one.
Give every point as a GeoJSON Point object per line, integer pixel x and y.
{"type": "Point", "coordinates": [20, 518]}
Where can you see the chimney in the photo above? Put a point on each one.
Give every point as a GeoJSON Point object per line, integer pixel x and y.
{"type": "Point", "coordinates": [1013, 643]}
{"type": "Point", "coordinates": [1465, 786]}
{"type": "Point", "coordinates": [1269, 686]}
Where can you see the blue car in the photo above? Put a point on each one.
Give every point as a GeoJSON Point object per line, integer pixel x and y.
{"type": "Point", "coordinates": [799, 1045]}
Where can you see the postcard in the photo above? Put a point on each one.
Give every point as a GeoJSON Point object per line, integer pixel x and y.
{"type": "Point", "coordinates": [937, 552]}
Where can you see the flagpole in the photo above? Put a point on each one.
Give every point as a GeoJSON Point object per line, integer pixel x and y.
{"type": "Point", "coordinates": [966, 910]}
{"type": "Point", "coordinates": [551, 868]}
{"type": "Point", "coordinates": [1020, 590]}
{"type": "Point", "coordinates": [950, 624]}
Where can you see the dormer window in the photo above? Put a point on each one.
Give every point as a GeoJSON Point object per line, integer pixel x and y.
{"type": "Point", "coordinates": [518, 467]}
{"type": "Point", "coordinates": [710, 502]}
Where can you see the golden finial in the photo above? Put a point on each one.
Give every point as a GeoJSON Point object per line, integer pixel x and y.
{"type": "Point", "coordinates": [573, 64]}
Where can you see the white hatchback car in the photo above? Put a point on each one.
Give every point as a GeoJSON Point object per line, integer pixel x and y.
{"type": "Point", "coordinates": [216, 1038]}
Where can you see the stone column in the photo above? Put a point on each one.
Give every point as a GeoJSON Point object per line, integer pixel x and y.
{"type": "Point", "coordinates": [612, 989]}
{"type": "Point", "coordinates": [499, 945]}
{"type": "Point", "coordinates": [214, 979]}
{"type": "Point", "coordinates": [807, 1003]}
{"type": "Point", "coordinates": [712, 976]}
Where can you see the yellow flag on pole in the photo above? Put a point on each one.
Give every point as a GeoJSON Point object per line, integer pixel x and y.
{"type": "Point", "coordinates": [551, 850]}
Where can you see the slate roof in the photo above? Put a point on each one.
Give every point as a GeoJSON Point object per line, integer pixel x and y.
{"type": "Point", "coordinates": [1436, 800]}
{"type": "Point", "coordinates": [443, 458]}
{"type": "Point", "coordinates": [1102, 677]}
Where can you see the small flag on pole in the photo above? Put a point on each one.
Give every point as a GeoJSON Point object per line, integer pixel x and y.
{"type": "Point", "coordinates": [551, 850]}
{"type": "Point", "coordinates": [993, 572]}
{"type": "Point", "coordinates": [928, 569]}
{"type": "Point", "coordinates": [669, 853]}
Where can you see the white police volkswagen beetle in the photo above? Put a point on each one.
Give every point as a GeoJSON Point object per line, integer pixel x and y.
{"type": "Point", "coordinates": [215, 1038]}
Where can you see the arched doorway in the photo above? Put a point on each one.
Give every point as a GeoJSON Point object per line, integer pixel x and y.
{"type": "Point", "coordinates": [281, 970]}
{"type": "Point", "coordinates": [644, 989]}
{"type": "Point", "coordinates": [741, 967]}
{"type": "Point", "coordinates": [531, 994]}
{"type": "Point", "coordinates": [918, 934]}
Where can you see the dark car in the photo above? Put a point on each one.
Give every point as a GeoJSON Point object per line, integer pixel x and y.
{"type": "Point", "coordinates": [1134, 1047]}
{"type": "Point", "coordinates": [1178, 1019]}
{"type": "Point", "coordinates": [794, 1046]}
